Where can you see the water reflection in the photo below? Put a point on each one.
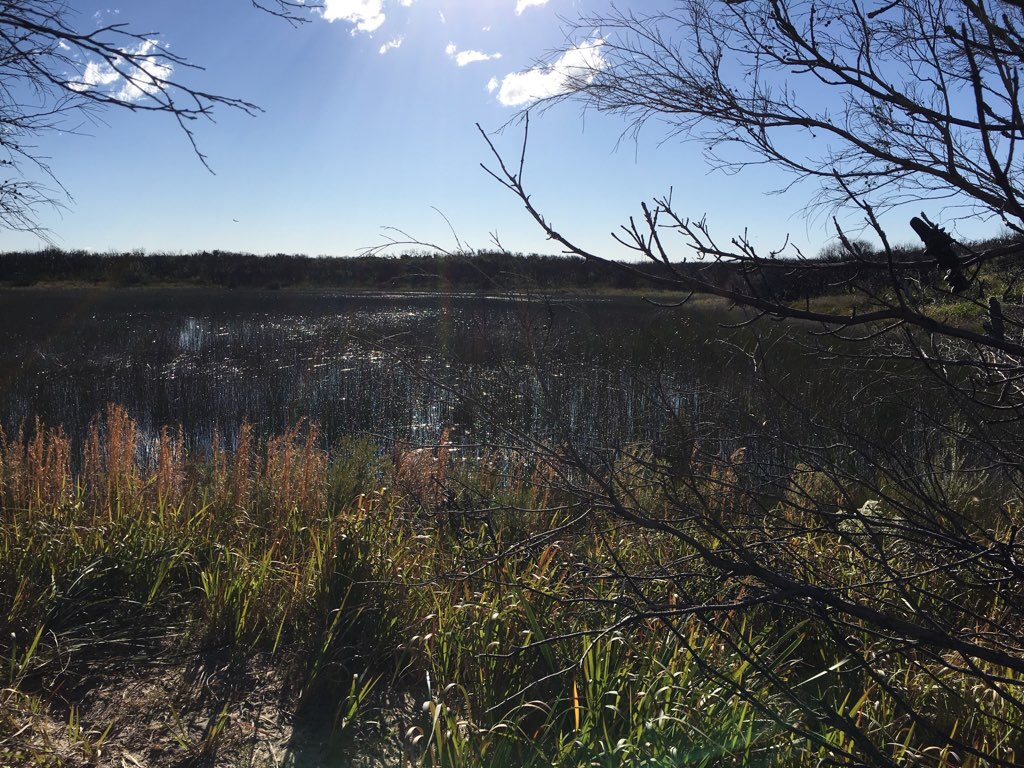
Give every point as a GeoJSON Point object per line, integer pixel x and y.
{"type": "Point", "coordinates": [601, 371]}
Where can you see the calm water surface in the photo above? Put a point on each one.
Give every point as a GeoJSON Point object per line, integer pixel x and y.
{"type": "Point", "coordinates": [598, 371]}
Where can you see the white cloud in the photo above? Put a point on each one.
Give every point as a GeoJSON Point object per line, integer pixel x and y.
{"type": "Point", "coordinates": [148, 81]}
{"type": "Point", "coordinates": [391, 44]}
{"type": "Point", "coordinates": [147, 74]}
{"type": "Point", "coordinates": [579, 62]}
{"type": "Point", "coordinates": [97, 74]}
{"type": "Point", "coordinates": [462, 58]}
{"type": "Point", "coordinates": [522, 5]}
{"type": "Point", "coordinates": [492, 85]}
{"type": "Point", "coordinates": [366, 15]}
{"type": "Point", "coordinates": [442, 17]}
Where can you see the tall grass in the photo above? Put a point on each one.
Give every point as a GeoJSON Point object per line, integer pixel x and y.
{"type": "Point", "coordinates": [473, 612]}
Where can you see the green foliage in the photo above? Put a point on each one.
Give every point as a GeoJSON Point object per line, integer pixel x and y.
{"type": "Point", "coordinates": [491, 635]}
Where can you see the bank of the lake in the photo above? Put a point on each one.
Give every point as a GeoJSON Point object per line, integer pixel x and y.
{"type": "Point", "coordinates": [286, 604]}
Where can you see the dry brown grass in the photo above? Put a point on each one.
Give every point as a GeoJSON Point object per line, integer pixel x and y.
{"type": "Point", "coordinates": [421, 472]}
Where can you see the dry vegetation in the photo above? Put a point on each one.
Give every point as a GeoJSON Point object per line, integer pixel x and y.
{"type": "Point", "coordinates": [279, 603]}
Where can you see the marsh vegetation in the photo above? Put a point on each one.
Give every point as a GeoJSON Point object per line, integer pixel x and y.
{"type": "Point", "coordinates": [291, 541]}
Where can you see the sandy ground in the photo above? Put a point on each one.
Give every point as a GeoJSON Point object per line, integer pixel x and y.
{"type": "Point", "coordinates": [200, 713]}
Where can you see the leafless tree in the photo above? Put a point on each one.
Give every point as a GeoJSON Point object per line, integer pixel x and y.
{"type": "Point", "coordinates": [904, 557]}
{"type": "Point", "coordinates": [900, 102]}
{"type": "Point", "coordinates": [55, 74]}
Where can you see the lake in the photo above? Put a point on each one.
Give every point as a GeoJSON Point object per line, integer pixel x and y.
{"type": "Point", "coordinates": [595, 370]}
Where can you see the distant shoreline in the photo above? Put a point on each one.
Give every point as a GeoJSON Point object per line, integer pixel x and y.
{"type": "Point", "coordinates": [473, 274]}
{"type": "Point", "coordinates": [370, 292]}
{"type": "Point", "coordinates": [478, 272]}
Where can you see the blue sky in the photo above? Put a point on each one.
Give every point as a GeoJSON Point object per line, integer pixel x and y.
{"type": "Point", "coordinates": [369, 122]}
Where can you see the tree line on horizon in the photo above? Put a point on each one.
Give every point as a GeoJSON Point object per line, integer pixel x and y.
{"type": "Point", "coordinates": [475, 271]}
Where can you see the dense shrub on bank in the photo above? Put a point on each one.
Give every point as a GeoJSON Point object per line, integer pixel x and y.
{"type": "Point", "coordinates": [478, 271]}
{"type": "Point", "coordinates": [790, 280]}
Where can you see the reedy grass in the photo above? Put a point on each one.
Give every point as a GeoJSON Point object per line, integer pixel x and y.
{"type": "Point", "coordinates": [481, 601]}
